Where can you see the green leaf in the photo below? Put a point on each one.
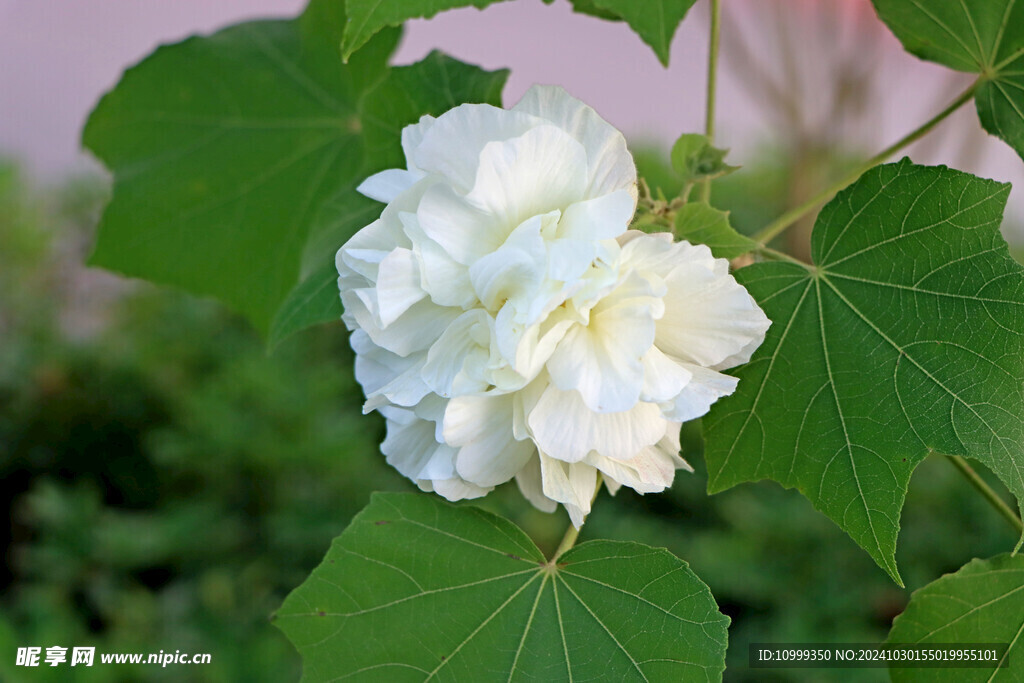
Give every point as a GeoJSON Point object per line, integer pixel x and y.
{"type": "Point", "coordinates": [694, 158]}
{"type": "Point", "coordinates": [905, 338]}
{"type": "Point", "coordinates": [981, 603]}
{"type": "Point", "coordinates": [655, 21]}
{"type": "Point", "coordinates": [699, 223]}
{"type": "Point", "coordinates": [367, 17]}
{"type": "Point", "coordinates": [986, 38]}
{"type": "Point", "coordinates": [419, 589]}
{"type": "Point", "coordinates": [224, 148]}
{"type": "Point", "coordinates": [431, 86]}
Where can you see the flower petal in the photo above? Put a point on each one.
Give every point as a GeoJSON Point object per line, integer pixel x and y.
{"type": "Point", "coordinates": [387, 185]}
{"type": "Point", "coordinates": [610, 164]}
{"type": "Point", "coordinates": [398, 285]}
{"type": "Point", "coordinates": [601, 218]}
{"type": "Point", "coordinates": [411, 449]}
{"type": "Point", "coordinates": [649, 471]}
{"type": "Point", "coordinates": [705, 387]}
{"type": "Point", "coordinates": [457, 361]}
{"type": "Point", "coordinates": [451, 146]}
{"type": "Point", "coordinates": [456, 489]}
{"type": "Point", "coordinates": [415, 330]}
{"type": "Point", "coordinates": [531, 485]}
{"type": "Point", "coordinates": [541, 170]}
{"type": "Point", "coordinates": [710, 318]}
{"type": "Point", "coordinates": [571, 484]}
{"type": "Point", "coordinates": [412, 138]}
{"type": "Point", "coordinates": [481, 428]}
{"type": "Point", "coordinates": [464, 231]}
{"type": "Point", "coordinates": [664, 377]}
{"type": "Point", "coordinates": [514, 271]}
{"type": "Point", "coordinates": [445, 280]}
{"type": "Point", "coordinates": [602, 360]}
{"type": "Point", "coordinates": [566, 429]}
{"type": "Point", "coordinates": [387, 377]}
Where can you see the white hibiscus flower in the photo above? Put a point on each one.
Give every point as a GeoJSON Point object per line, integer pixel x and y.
{"type": "Point", "coordinates": [507, 324]}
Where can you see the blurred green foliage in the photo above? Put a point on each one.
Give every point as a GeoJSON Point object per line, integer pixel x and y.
{"type": "Point", "coordinates": [167, 482]}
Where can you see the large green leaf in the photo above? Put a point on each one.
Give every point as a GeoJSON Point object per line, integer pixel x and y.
{"type": "Point", "coordinates": [224, 148]}
{"type": "Point", "coordinates": [979, 36]}
{"type": "Point", "coordinates": [981, 603]}
{"type": "Point", "coordinates": [655, 21]}
{"type": "Point", "coordinates": [431, 86]}
{"type": "Point", "coordinates": [367, 17]}
{"type": "Point", "coordinates": [418, 589]}
{"type": "Point", "coordinates": [906, 337]}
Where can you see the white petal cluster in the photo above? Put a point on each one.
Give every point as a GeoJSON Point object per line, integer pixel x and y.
{"type": "Point", "coordinates": [507, 324]}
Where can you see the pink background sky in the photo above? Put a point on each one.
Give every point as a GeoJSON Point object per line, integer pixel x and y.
{"type": "Point", "coordinates": [58, 56]}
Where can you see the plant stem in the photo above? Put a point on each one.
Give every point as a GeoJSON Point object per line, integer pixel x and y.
{"type": "Point", "coordinates": [568, 541]}
{"type": "Point", "coordinates": [787, 219]}
{"type": "Point", "coordinates": [991, 496]}
{"type": "Point", "coordinates": [782, 256]}
{"type": "Point", "coordinates": [709, 111]}
{"type": "Point", "coordinates": [572, 533]}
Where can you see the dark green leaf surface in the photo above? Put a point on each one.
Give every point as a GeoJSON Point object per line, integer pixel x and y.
{"type": "Point", "coordinates": [224, 148]}
{"type": "Point", "coordinates": [978, 36]}
{"type": "Point", "coordinates": [981, 603]}
{"type": "Point", "coordinates": [701, 224]}
{"type": "Point", "coordinates": [418, 589]}
{"type": "Point", "coordinates": [367, 17]}
{"type": "Point", "coordinates": [655, 21]}
{"type": "Point", "coordinates": [906, 337]}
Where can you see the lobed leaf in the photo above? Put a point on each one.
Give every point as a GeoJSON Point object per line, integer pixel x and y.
{"type": "Point", "coordinates": [417, 589]}
{"type": "Point", "coordinates": [906, 337]}
{"type": "Point", "coordinates": [983, 602]}
{"type": "Point", "coordinates": [986, 38]}
{"type": "Point", "coordinates": [223, 149]}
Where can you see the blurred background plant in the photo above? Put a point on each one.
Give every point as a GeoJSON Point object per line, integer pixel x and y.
{"type": "Point", "coordinates": [167, 481]}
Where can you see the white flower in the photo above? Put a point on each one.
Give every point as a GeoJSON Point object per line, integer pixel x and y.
{"type": "Point", "coordinates": [508, 325]}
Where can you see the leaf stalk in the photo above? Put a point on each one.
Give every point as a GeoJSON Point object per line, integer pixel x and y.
{"type": "Point", "coordinates": [709, 110]}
